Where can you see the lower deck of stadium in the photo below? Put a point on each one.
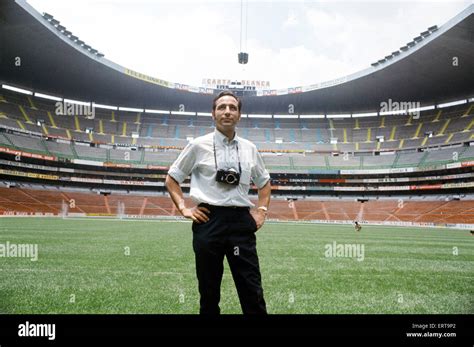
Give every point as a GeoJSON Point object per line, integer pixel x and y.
{"type": "Point", "coordinates": [28, 201]}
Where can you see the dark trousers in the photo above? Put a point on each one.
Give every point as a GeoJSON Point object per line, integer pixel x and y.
{"type": "Point", "coordinates": [229, 232]}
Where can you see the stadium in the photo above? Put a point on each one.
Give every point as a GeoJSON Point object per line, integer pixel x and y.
{"type": "Point", "coordinates": [85, 147]}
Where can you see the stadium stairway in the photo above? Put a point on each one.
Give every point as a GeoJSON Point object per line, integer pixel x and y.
{"type": "Point", "coordinates": [73, 150]}
{"type": "Point", "coordinates": [7, 140]}
{"type": "Point", "coordinates": [423, 159]}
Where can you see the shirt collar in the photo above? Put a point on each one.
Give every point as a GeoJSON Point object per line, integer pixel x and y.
{"type": "Point", "coordinates": [222, 139]}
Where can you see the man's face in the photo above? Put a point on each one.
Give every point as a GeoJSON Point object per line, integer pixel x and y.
{"type": "Point", "coordinates": [226, 114]}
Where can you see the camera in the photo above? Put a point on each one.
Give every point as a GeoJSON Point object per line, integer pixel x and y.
{"type": "Point", "coordinates": [228, 176]}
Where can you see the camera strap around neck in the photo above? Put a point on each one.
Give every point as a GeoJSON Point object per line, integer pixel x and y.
{"type": "Point", "coordinates": [215, 157]}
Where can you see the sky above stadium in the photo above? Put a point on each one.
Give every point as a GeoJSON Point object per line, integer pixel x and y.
{"type": "Point", "coordinates": [290, 43]}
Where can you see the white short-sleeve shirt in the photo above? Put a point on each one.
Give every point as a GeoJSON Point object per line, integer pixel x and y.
{"type": "Point", "coordinates": [197, 159]}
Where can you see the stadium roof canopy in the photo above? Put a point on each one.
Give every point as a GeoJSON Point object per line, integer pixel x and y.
{"type": "Point", "coordinates": [436, 67]}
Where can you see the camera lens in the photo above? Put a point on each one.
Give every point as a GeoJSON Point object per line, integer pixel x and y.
{"type": "Point", "coordinates": [230, 179]}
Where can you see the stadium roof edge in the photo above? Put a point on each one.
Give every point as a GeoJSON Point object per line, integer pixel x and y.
{"type": "Point", "coordinates": [404, 54]}
{"type": "Point", "coordinates": [343, 79]}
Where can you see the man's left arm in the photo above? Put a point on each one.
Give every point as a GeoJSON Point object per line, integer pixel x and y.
{"type": "Point", "coordinates": [261, 178]}
{"type": "Point", "coordinates": [260, 213]}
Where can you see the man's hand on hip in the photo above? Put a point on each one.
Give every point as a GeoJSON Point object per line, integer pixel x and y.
{"type": "Point", "coordinates": [259, 217]}
{"type": "Point", "coordinates": [198, 214]}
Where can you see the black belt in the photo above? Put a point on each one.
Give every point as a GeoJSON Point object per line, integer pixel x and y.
{"type": "Point", "coordinates": [214, 207]}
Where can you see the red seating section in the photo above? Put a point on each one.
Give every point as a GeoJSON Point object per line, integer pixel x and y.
{"type": "Point", "coordinates": [50, 201]}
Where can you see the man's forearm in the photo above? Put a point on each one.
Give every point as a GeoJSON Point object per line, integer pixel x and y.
{"type": "Point", "coordinates": [175, 192]}
{"type": "Point", "coordinates": [264, 194]}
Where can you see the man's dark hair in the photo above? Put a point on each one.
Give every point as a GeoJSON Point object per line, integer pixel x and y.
{"type": "Point", "coordinates": [226, 93]}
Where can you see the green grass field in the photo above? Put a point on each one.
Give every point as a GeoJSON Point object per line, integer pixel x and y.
{"type": "Point", "coordinates": [83, 267]}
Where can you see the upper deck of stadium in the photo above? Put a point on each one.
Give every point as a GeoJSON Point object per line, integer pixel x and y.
{"type": "Point", "coordinates": [434, 67]}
